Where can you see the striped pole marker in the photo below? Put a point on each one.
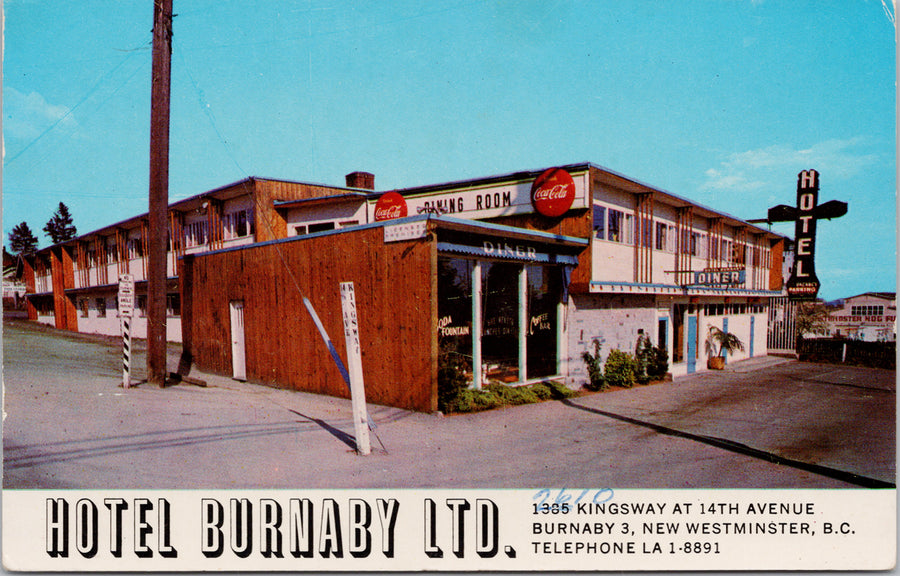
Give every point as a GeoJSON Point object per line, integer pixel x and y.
{"type": "Point", "coordinates": [126, 351]}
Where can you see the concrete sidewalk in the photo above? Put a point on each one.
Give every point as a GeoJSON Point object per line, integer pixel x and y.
{"type": "Point", "coordinates": [70, 424]}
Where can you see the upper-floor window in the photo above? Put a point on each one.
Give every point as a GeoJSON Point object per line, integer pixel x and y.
{"type": "Point", "coordinates": [727, 253]}
{"type": "Point", "coordinates": [698, 245]}
{"type": "Point", "coordinates": [112, 253]}
{"type": "Point", "coordinates": [238, 224]}
{"type": "Point", "coordinates": [321, 227]}
{"type": "Point", "coordinates": [867, 310]}
{"type": "Point", "coordinates": [599, 221]}
{"type": "Point", "coordinates": [135, 248]}
{"type": "Point", "coordinates": [173, 305]}
{"type": "Point", "coordinates": [195, 234]}
{"type": "Point", "coordinates": [665, 237]}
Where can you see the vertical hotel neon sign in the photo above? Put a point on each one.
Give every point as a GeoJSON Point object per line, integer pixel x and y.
{"type": "Point", "coordinates": [803, 283]}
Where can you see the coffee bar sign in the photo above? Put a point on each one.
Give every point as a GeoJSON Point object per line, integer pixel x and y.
{"type": "Point", "coordinates": [502, 200]}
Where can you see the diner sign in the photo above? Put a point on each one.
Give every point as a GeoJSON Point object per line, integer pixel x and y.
{"type": "Point", "coordinates": [719, 277]}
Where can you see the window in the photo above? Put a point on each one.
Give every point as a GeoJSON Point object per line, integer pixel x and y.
{"type": "Point", "coordinates": [665, 237]}
{"type": "Point", "coordinates": [867, 310]}
{"type": "Point", "coordinates": [727, 254]}
{"type": "Point", "coordinates": [140, 305]}
{"type": "Point", "coordinates": [173, 305]}
{"type": "Point", "coordinates": [698, 245]}
{"type": "Point", "coordinates": [614, 230]}
{"type": "Point", "coordinates": [112, 253]}
{"type": "Point", "coordinates": [101, 307]}
{"type": "Point", "coordinates": [629, 229]}
{"type": "Point", "coordinates": [349, 223]}
{"type": "Point", "coordinates": [740, 253]}
{"type": "Point", "coordinates": [195, 234]}
{"type": "Point", "coordinates": [661, 236]}
{"type": "Point", "coordinates": [135, 248]}
{"type": "Point", "coordinates": [238, 224]}
{"type": "Point", "coordinates": [83, 307]}
{"type": "Point", "coordinates": [321, 227]}
{"type": "Point", "coordinates": [299, 230]}
{"type": "Point", "coordinates": [599, 221]}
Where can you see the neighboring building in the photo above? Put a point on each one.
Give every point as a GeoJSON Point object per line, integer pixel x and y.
{"type": "Point", "coordinates": [515, 287]}
{"type": "Point", "coordinates": [871, 317]}
{"type": "Point", "coordinates": [13, 284]}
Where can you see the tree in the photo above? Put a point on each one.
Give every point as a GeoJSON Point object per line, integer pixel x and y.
{"type": "Point", "coordinates": [22, 240]}
{"type": "Point", "coordinates": [60, 227]}
{"type": "Point", "coordinates": [811, 318]}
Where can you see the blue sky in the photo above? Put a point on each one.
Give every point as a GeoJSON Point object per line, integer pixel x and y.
{"type": "Point", "coordinates": [722, 101]}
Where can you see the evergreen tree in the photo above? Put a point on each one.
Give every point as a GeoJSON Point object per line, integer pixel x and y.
{"type": "Point", "coordinates": [60, 227]}
{"type": "Point", "coordinates": [22, 240]}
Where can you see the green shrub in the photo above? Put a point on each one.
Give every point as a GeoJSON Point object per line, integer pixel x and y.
{"type": "Point", "coordinates": [542, 390]}
{"type": "Point", "coordinates": [560, 390]}
{"type": "Point", "coordinates": [658, 366]}
{"type": "Point", "coordinates": [469, 400]}
{"type": "Point", "coordinates": [594, 368]}
{"type": "Point", "coordinates": [496, 395]}
{"type": "Point", "coordinates": [513, 396]}
{"type": "Point", "coordinates": [451, 378]}
{"type": "Point", "coordinates": [621, 369]}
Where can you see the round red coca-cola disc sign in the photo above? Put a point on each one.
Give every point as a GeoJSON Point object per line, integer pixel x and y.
{"type": "Point", "coordinates": [389, 206]}
{"type": "Point", "coordinates": [553, 192]}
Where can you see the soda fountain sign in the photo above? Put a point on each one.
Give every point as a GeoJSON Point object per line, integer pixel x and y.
{"type": "Point", "coordinates": [390, 205]}
{"type": "Point", "coordinates": [553, 192]}
{"type": "Point", "coordinates": [803, 283]}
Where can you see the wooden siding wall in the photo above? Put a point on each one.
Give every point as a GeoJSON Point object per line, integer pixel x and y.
{"type": "Point", "coordinates": [776, 277]}
{"type": "Point", "coordinates": [575, 223]}
{"type": "Point", "coordinates": [30, 286]}
{"type": "Point", "coordinates": [269, 223]}
{"type": "Point", "coordinates": [63, 273]}
{"type": "Point", "coordinates": [396, 301]}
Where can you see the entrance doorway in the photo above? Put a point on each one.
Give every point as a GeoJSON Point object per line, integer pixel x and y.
{"type": "Point", "coordinates": [238, 348]}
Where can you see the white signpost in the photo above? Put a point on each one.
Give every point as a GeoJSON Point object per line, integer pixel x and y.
{"type": "Point", "coordinates": [354, 367]}
{"type": "Point", "coordinates": [126, 312]}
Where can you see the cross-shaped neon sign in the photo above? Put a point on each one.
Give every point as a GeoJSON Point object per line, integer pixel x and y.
{"type": "Point", "coordinates": [803, 283]}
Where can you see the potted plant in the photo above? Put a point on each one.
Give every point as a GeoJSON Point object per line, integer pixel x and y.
{"type": "Point", "coordinates": [718, 344]}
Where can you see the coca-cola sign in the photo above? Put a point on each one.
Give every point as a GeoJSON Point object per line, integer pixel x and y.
{"type": "Point", "coordinates": [553, 192]}
{"type": "Point", "coordinates": [389, 206]}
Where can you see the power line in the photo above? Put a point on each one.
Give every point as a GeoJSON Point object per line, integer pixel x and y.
{"type": "Point", "coordinates": [69, 112]}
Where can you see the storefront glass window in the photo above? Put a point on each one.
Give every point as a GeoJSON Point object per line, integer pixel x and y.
{"type": "Point", "coordinates": [516, 320]}
{"type": "Point", "coordinates": [543, 297]}
{"type": "Point", "coordinates": [455, 315]}
{"type": "Point", "coordinates": [500, 327]}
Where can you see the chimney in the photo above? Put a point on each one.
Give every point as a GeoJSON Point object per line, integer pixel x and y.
{"type": "Point", "coordinates": [363, 180]}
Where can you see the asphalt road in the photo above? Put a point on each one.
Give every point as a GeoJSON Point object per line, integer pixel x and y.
{"type": "Point", "coordinates": [763, 423]}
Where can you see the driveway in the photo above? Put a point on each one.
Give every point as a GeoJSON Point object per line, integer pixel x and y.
{"type": "Point", "coordinates": [761, 424]}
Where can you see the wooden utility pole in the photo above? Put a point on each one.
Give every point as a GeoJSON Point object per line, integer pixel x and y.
{"type": "Point", "coordinates": [159, 192]}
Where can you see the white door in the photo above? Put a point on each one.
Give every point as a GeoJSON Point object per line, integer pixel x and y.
{"type": "Point", "coordinates": [238, 355]}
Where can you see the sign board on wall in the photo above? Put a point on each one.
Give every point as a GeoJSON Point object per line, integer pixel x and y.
{"type": "Point", "coordinates": [488, 201]}
{"type": "Point", "coordinates": [553, 192]}
{"type": "Point", "coordinates": [723, 277]}
{"type": "Point", "coordinates": [389, 206]}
